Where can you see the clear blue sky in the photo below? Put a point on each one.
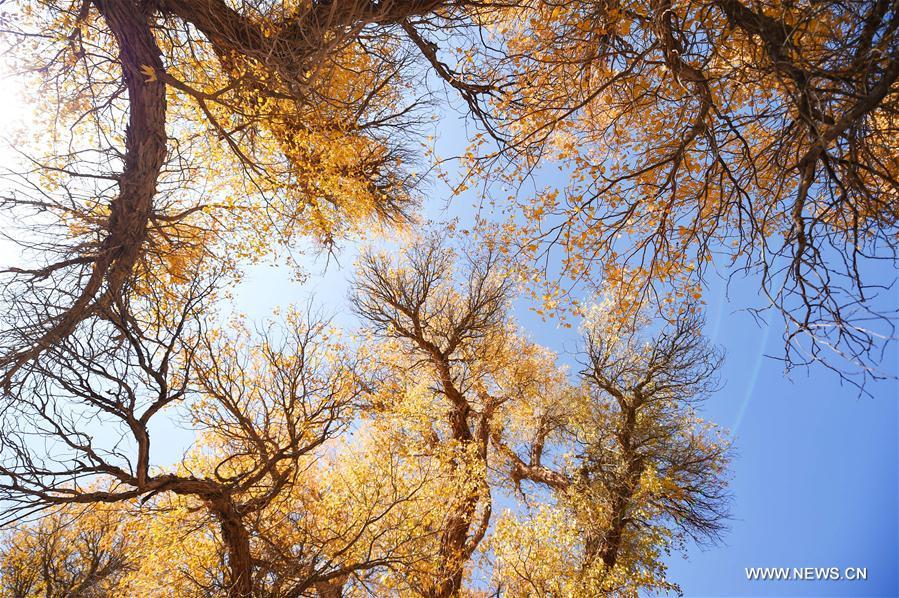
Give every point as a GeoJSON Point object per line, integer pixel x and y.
{"type": "Point", "coordinates": [815, 471]}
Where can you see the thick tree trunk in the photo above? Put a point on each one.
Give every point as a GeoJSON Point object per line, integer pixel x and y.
{"type": "Point", "coordinates": [129, 212]}
{"type": "Point", "coordinates": [623, 491]}
{"type": "Point", "coordinates": [455, 547]}
{"type": "Point", "coordinates": [452, 550]}
{"type": "Point", "coordinates": [237, 544]}
{"type": "Point", "coordinates": [611, 544]}
{"type": "Point", "coordinates": [145, 138]}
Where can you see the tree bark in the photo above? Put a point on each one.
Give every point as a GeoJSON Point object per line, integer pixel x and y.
{"type": "Point", "coordinates": [237, 544]}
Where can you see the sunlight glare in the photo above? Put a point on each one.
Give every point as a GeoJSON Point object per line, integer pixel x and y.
{"type": "Point", "coordinates": [15, 112]}
{"type": "Point", "coordinates": [15, 117]}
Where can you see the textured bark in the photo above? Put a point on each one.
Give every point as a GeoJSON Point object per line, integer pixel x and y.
{"type": "Point", "coordinates": [611, 544]}
{"type": "Point", "coordinates": [237, 543]}
{"type": "Point", "coordinates": [145, 139]}
{"type": "Point", "coordinates": [228, 30]}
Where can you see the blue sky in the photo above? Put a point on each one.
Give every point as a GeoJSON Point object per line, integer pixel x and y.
{"type": "Point", "coordinates": [815, 475]}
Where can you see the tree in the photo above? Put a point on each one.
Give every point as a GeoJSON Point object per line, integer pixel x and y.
{"type": "Point", "coordinates": [79, 433]}
{"type": "Point", "coordinates": [641, 472]}
{"type": "Point", "coordinates": [178, 133]}
{"type": "Point", "coordinates": [634, 471]}
{"type": "Point", "coordinates": [74, 551]}
{"type": "Point", "coordinates": [450, 407]}
{"type": "Point", "coordinates": [181, 134]}
{"type": "Point", "coordinates": [181, 140]}
{"type": "Point", "coordinates": [184, 133]}
{"type": "Point", "coordinates": [753, 136]}
{"type": "Point", "coordinates": [450, 338]}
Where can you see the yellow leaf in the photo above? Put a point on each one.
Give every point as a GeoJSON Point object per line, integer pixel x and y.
{"type": "Point", "coordinates": [150, 72]}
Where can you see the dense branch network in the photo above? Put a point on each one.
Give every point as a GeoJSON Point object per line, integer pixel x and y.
{"type": "Point", "coordinates": [180, 141]}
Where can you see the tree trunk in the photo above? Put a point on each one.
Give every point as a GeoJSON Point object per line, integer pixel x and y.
{"type": "Point", "coordinates": [623, 491]}
{"type": "Point", "coordinates": [237, 545]}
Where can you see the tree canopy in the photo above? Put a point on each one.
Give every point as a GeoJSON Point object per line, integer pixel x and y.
{"type": "Point", "coordinates": [178, 142]}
